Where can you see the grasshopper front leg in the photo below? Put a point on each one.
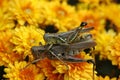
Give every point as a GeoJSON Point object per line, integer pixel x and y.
{"type": "Point", "coordinates": [34, 61]}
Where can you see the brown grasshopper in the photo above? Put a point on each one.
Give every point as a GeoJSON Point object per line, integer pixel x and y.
{"type": "Point", "coordinates": [69, 37]}
{"type": "Point", "coordinates": [66, 40]}
{"type": "Point", "coordinates": [63, 46]}
{"type": "Point", "coordinates": [66, 37]}
{"type": "Point", "coordinates": [61, 52]}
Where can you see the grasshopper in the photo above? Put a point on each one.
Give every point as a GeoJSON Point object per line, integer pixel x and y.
{"type": "Point", "coordinates": [66, 37]}
{"type": "Point", "coordinates": [61, 52]}
{"type": "Point", "coordinates": [63, 46]}
{"type": "Point", "coordinates": [61, 39]}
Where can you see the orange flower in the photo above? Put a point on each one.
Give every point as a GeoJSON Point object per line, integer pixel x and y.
{"type": "Point", "coordinates": [5, 44]}
{"type": "Point", "coordinates": [82, 70]}
{"type": "Point", "coordinates": [93, 20]}
{"type": "Point", "coordinates": [6, 58]}
{"type": "Point", "coordinates": [48, 69]}
{"type": "Point", "coordinates": [18, 72]}
{"type": "Point", "coordinates": [54, 69]}
{"type": "Point", "coordinates": [5, 47]}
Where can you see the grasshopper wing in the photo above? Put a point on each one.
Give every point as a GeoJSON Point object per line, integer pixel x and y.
{"type": "Point", "coordinates": [82, 45]}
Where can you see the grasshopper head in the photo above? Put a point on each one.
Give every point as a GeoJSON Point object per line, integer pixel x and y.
{"type": "Point", "coordinates": [50, 38]}
{"type": "Point", "coordinates": [83, 24]}
{"type": "Point", "coordinates": [37, 51]}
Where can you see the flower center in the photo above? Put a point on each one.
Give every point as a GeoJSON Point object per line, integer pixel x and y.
{"type": "Point", "coordinates": [28, 11]}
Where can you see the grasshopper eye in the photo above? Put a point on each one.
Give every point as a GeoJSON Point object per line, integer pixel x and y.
{"type": "Point", "coordinates": [83, 24]}
{"type": "Point", "coordinates": [46, 36]}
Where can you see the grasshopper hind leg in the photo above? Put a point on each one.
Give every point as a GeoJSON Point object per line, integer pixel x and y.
{"type": "Point", "coordinates": [76, 60]}
{"type": "Point", "coordinates": [60, 60]}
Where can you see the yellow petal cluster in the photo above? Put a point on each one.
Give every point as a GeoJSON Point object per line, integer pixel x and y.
{"type": "Point", "coordinates": [114, 49]}
{"type": "Point", "coordinates": [72, 71]}
{"type": "Point", "coordinates": [105, 78]}
{"type": "Point", "coordinates": [26, 37]}
{"type": "Point", "coordinates": [16, 71]}
{"type": "Point", "coordinates": [23, 24]}
{"type": "Point", "coordinates": [103, 40]}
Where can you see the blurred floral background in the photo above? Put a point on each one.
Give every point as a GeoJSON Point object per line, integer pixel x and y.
{"type": "Point", "coordinates": [24, 22]}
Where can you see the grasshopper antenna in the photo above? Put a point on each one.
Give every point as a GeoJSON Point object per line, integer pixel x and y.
{"type": "Point", "coordinates": [34, 61]}
{"type": "Point", "coordinates": [77, 31]}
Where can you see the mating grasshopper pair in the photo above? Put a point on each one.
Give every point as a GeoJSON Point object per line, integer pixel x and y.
{"type": "Point", "coordinates": [63, 46]}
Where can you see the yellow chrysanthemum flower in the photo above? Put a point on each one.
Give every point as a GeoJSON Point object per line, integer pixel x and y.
{"type": "Point", "coordinates": [114, 51]}
{"type": "Point", "coordinates": [6, 58]}
{"type": "Point", "coordinates": [5, 46]}
{"type": "Point", "coordinates": [20, 23]}
{"type": "Point", "coordinates": [25, 11]}
{"type": "Point", "coordinates": [103, 39]}
{"type": "Point", "coordinates": [61, 15]}
{"type": "Point", "coordinates": [105, 78]}
{"type": "Point", "coordinates": [6, 21]}
{"type": "Point", "coordinates": [59, 71]}
{"type": "Point", "coordinates": [3, 5]}
{"type": "Point", "coordinates": [93, 20]}
{"type": "Point", "coordinates": [109, 13]}
{"type": "Point", "coordinates": [65, 14]}
{"type": "Point", "coordinates": [81, 71]}
{"type": "Point", "coordinates": [17, 71]}
{"type": "Point", "coordinates": [26, 37]}
{"type": "Point", "coordinates": [96, 1]}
